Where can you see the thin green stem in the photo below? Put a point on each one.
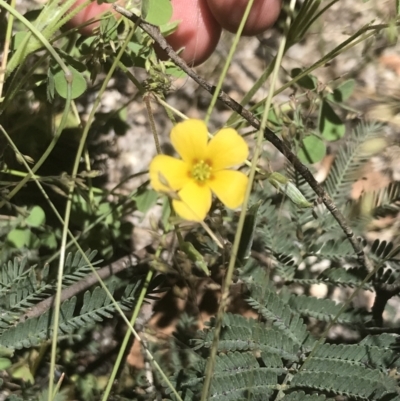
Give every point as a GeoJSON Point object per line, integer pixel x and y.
{"type": "Point", "coordinates": [39, 185]}
{"type": "Point", "coordinates": [342, 47]}
{"type": "Point", "coordinates": [346, 45]}
{"type": "Point", "coordinates": [146, 98]}
{"type": "Point", "coordinates": [153, 128]}
{"type": "Point", "coordinates": [127, 336]}
{"type": "Point", "coordinates": [68, 77]}
{"type": "Point", "coordinates": [41, 37]}
{"type": "Point", "coordinates": [229, 274]}
{"type": "Point", "coordinates": [7, 41]}
{"type": "Point", "coordinates": [68, 208]}
{"type": "Point", "coordinates": [228, 61]}
{"type": "Point", "coordinates": [65, 230]}
{"type": "Point", "coordinates": [18, 80]}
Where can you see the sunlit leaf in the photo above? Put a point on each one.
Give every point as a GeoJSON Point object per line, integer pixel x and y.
{"type": "Point", "coordinates": [288, 188]}
{"type": "Point", "coordinates": [146, 199]}
{"type": "Point", "coordinates": [312, 149]}
{"type": "Point", "coordinates": [36, 217]}
{"type": "Point", "coordinates": [330, 125]}
{"type": "Point", "coordinates": [307, 82]}
{"type": "Point", "coordinates": [157, 12]}
{"type": "Point", "coordinates": [78, 83]}
{"type": "Point", "coordinates": [19, 237]}
{"type": "Point", "coordinates": [342, 92]}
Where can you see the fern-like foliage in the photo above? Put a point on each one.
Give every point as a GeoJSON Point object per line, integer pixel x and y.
{"type": "Point", "coordinates": [280, 355]}
{"type": "Point", "coordinates": [277, 357]}
{"type": "Point", "coordinates": [249, 367]}
{"type": "Point", "coordinates": [271, 307]}
{"type": "Point", "coordinates": [384, 201]}
{"type": "Point", "coordinates": [270, 221]}
{"type": "Point", "coordinates": [352, 370]}
{"type": "Point", "coordinates": [96, 307]}
{"type": "Point", "coordinates": [76, 266]}
{"type": "Point", "coordinates": [21, 289]}
{"type": "Point", "coordinates": [327, 310]}
{"type": "Point", "coordinates": [302, 396]}
{"type": "Point", "coordinates": [351, 156]}
{"type": "Point", "coordinates": [241, 334]}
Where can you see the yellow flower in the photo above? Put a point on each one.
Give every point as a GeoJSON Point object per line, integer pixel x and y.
{"type": "Point", "coordinates": [202, 169]}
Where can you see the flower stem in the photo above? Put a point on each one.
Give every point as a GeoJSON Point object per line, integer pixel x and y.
{"type": "Point", "coordinates": [235, 247]}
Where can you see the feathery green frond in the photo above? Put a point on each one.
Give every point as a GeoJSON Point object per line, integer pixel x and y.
{"type": "Point", "coordinates": [96, 307]}
{"type": "Point", "coordinates": [348, 161]}
{"type": "Point", "coordinates": [367, 387]}
{"type": "Point", "coordinates": [326, 310]}
{"type": "Point", "coordinates": [273, 309]}
{"type": "Point", "coordinates": [332, 248]}
{"type": "Point", "coordinates": [76, 266]}
{"type": "Point", "coordinates": [241, 334]}
{"type": "Point", "coordinates": [302, 396]}
{"type": "Point", "coordinates": [340, 276]}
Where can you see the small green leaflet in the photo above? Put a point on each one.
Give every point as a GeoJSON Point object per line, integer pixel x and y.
{"type": "Point", "coordinates": [330, 125]}
{"type": "Point", "coordinates": [286, 186]}
{"type": "Point", "coordinates": [312, 149]}
{"type": "Point", "coordinates": [249, 228]}
{"type": "Point", "coordinates": [195, 256]}
{"type": "Point", "coordinates": [58, 83]}
{"type": "Point", "coordinates": [157, 12]}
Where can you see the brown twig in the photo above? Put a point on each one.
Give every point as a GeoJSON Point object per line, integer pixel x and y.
{"type": "Point", "coordinates": [84, 284]}
{"type": "Point", "coordinates": [155, 33]}
{"type": "Point", "coordinates": [383, 292]}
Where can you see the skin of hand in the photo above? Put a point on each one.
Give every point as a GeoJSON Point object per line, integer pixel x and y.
{"type": "Point", "coordinates": [201, 22]}
{"type": "Point", "coordinates": [93, 10]}
{"type": "Point", "coordinates": [198, 31]}
{"type": "Point", "coordinates": [229, 13]}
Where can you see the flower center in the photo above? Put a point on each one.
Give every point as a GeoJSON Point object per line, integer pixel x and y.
{"type": "Point", "coordinates": [201, 171]}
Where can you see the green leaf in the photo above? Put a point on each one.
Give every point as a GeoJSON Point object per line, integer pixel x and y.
{"type": "Point", "coordinates": [4, 363]}
{"type": "Point", "coordinates": [307, 82]}
{"type": "Point", "coordinates": [175, 71]}
{"type": "Point", "coordinates": [145, 199]}
{"type": "Point", "coordinates": [342, 92]}
{"type": "Point", "coordinates": [6, 351]}
{"type": "Point", "coordinates": [286, 187]}
{"type": "Point", "coordinates": [273, 117]}
{"type": "Point", "coordinates": [249, 229]}
{"type": "Point", "coordinates": [36, 217]}
{"type": "Point", "coordinates": [19, 237]}
{"type": "Point", "coordinates": [50, 87]}
{"type": "Point", "coordinates": [18, 39]}
{"type": "Point", "coordinates": [330, 125]}
{"type": "Point", "coordinates": [157, 12]}
{"type": "Point", "coordinates": [49, 240]}
{"type": "Point", "coordinates": [78, 83]}
{"type": "Point", "coordinates": [312, 149]}
{"type": "Point", "coordinates": [195, 256]}
{"type": "Point", "coordinates": [166, 214]}
{"type": "Point", "coordinates": [22, 372]}
{"type": "Point", "coordinates": [167, 29]}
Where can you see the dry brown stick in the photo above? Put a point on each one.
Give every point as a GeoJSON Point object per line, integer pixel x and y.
{"type": "Point", "coordinates": [84, 284]}
{"type": "Point", "coordinates": [155, 33]}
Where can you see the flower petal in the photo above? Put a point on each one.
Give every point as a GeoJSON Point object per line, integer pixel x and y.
{"type": "Point", "coordinates": [227, 149]}
{"type": "Point", "coordinates": [229, 186]}
{"type": "Point", "coordinates": [168, 173]}
{"type": "Point", "coordinates": [195, 202]}
{"type": "Point", "coordinates": [189, 139]}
